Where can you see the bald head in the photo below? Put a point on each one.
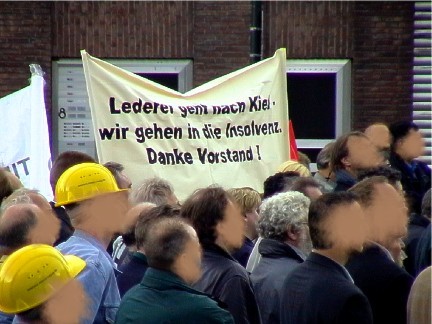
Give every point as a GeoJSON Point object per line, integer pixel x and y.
{"type": "Point", "coordinates": [379, 135]}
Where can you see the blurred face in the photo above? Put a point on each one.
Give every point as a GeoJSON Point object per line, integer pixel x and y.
{"type": "Point", "coordinates": [47, 228]}
{"type": "Point", "coordinates": [230, 230]}
{"type": "Point", "coordinates": [67, 306]}
{"type": "Point", "coordinates": [110, 210]}
{"type": "Point", "coordinates": [379, 136]}
{"type": "Point", "coordinates": [346, 228]}
{"type": "Point", "coordinates": [362, 154]}
{"type": "Point", "coordinates": [188, 265]}
{"type": "Point", "coordinates": [313, 193]}
{"type": "Point", "coordinates": [387, 215]}
{"type": "Point", "coordinates": [411, 146]}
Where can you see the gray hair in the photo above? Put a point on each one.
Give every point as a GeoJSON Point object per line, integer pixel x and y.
{"type": "Point", "coordinates": [280, 211]}
{"type": "Point", "coordinates": [323, 157]}
{"type": "Point", "coordinates": [19, 196]}
{"type": "Point", "coordinates": [154, 190]}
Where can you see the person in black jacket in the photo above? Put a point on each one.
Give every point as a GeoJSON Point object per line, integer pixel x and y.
{"type": "Point", "coordinates": [320, 290]}
{"type": "Point", "coordinates": [351, 153]}
{"type": "Point", "coordinates": [285, 244]}
{"type": "Point", "coordinates": [407, 145]}
{"type": "Point", "coordinates": [220, 227]}
{"type": "Point", "coordinates": [374, 271]}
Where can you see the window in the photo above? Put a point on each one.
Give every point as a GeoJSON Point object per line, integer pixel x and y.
{"type": "Point", "coordinates": [319, 102]}
{"type": "Point", "coordinates": [72, 124]}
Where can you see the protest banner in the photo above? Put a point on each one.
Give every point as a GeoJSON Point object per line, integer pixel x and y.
{"type": "Point", "coordinates": [24, 148]}
{"type": "Point", "coordinates": [232, 131]}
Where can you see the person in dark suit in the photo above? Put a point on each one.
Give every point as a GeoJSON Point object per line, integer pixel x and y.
{"type": "Point", "coordinates": [320, 290]}
{"type": "Point", "coordinates": [220, 227]}
{"type": "Point", "coordinates": [375, 272]}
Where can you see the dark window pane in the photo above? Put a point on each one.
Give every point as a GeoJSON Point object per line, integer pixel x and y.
{"type": "Point", "coordinates": [169, 80]}
{"type": "Point", "coordinates": [312, 104]}
{"type": "Point", "coordinates": [312, 153]}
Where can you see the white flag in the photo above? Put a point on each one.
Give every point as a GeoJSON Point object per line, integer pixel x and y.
{"type": "Point", "coordinates": [24, 147]}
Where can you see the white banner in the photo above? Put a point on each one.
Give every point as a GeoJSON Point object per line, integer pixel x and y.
{"type": "Point", "coordinates": [24, 147]}
{"type": "Point", "coordinates": [231, 131]}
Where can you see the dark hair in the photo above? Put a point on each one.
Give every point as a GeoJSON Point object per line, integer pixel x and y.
{"type": "Point", "coordinates": [205, 208]}
{"type": "Point", "coordinates": [13, 234]}
{"type": "Point", "coordinates": [302, 183]}
{"type": "Point", "coordinates": [304, 159]}
{"type": "Point", "coordinates": [6, 188]}
{"type": "Point", "coordinates": [279, 182]}
{"type": "Point", "coordinates": [64, 161]}
{"type": "Point", "coordinates": [426, 204]}
{"type": "Point", "coordinates": [323, 157]}
{"type": "Point", "coordinates": [320, 210]}
{"type": "Point", "coordinates": [392, 175]}
{"type": "Point", "coordinates": [147, 217]}
{"type": "Point", "coordinates": [401, 129]}
{"type": "Point", "coordinates": [365, 189]}
{"type": "Point", "coordinates": [166, 240]}
{"type": "Point", "coordinates": [340, 149]}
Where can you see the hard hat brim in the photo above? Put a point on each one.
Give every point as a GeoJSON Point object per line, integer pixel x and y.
{"type": "Point", "coordinates": [60, 203]}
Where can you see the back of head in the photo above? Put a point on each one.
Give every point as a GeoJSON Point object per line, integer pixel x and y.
{"type": "Point", "coordinates": [280, 211]}
{"type": "Point", "coordinates": [64, 161]}
{"type": "Point", "coordinates": [204, 209]}
{"type": "Point", "coordinates": [294, 166]}
{"type": "Point", "coordinates": [365, 189]}
{"type": "Point", "coordinates": [279, 182]}
{"type": "Point", "coordinates": [32, 275]}
{"type": "Point", "coordinates": [155, 190]}
{"type": "Point", "coordinates": [304, 159]}
{"type": "Point", "coordinates": [401, 129]}
{"type": "Point", "coordinates": [393, 176]}
{"type": "Point", "coordinates": [148, 217]}
{"type": "Point", "coordinates": [340, 149]}
{"type": "Point", "coordinates": [305, 186]}
{"type": "Point", "coordinates": [246, 198]}
{"type": "Point", "coordinates": [166, 240]}
{"type": "Point", "coordinates": [323, 157]}
{"type": "Point", "coordinates": [320, 211]}
{"type": "Point", "coordinates": [82, 182]}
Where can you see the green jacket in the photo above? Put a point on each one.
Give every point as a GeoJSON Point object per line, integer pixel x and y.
{"type": "Point", "coordinates": [162, 297]}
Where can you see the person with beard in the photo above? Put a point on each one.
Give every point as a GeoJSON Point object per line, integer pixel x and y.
{"type": "Point", "coordinates": [320, 290]}
{"type": "Point", "coordinates": [220, 228]}
{"type": "Point", "coordinates": [285, 244]}
{"type": "Point", "coordinates": [352, 153]}
{"type": "Point", "coordinates": [375, 271]}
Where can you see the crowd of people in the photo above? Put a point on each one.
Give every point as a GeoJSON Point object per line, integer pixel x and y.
{"type": "Point", "coordinates": [350, 243]}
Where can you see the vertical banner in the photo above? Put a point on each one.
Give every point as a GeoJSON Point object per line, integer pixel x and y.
{"type": "Point", "coordinates": [24, 148]}
{"type": "Point", "coordinates": [231, 131]}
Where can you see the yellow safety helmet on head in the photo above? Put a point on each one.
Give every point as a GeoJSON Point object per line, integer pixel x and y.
{"type": "Point", "coordinates": [84, 181]}
{"type": "Point", "coordinates": [32, 274]}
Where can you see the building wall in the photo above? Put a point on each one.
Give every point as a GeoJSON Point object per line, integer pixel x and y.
{"type": "Point", "coordinates": [376, 36]}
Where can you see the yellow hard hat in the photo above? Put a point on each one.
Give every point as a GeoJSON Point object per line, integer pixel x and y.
{"type": "Point", "coordinates": [31, 275]}
{"type": "Point", "coordinates": [84, 181]}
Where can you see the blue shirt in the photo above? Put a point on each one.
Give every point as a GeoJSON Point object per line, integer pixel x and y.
{"type": "Point", "coordinates": [98, 277]}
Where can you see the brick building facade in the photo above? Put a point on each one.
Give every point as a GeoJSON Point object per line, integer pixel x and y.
{"type": "Point", "coordinates": [376, 36]}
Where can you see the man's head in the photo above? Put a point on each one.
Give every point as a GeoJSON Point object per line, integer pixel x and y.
{"type": "Point", "coordinates": [249, 201]}
{"type": "Point", "coordinates": [336, 222]}
{"type": "Point", "coordinates": [380, 136]}
{"type": "Point", "coordinates": [283, 217]}
{"type": "Point", "coordinates": [294, 166]}
{"type": "Point", "coordinates": [26, 218]}
{"type": "Point", "coordinates": [173, 245]}
{"type": "Point", "coordinates": [385, 210]}
{"type": "Point", "coordinates": [117, 170]}
{"type": "Point", "coordinates": [354, 152]}
{"type": "Point", "coordinates": [131, 219]}
{"type": "Point", "coordinates": [323, 157]}
{"type": "Point", "coordinates": [393, 176]}
{"type": "Point", "coordinates": [147, 217]}
{"type": "Point", "coordinates": [408, 142]}
{"type": "Point", "coordinates": [308, 187]}
{"type": "Point", "coordinates": [216, 219]}
{"type": "Point", "coordinates": [279, 182]}
{"type": "Point", "coordinates": [64, 161]}
{"type": "Point", "coordinates": [155, 190]}
{"type": "Point", "coordinates": [37, 283]}
{"type": "Point", "coordinates": [92, 198]}
{"type": "Point", "coordinates": [8, 183]}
